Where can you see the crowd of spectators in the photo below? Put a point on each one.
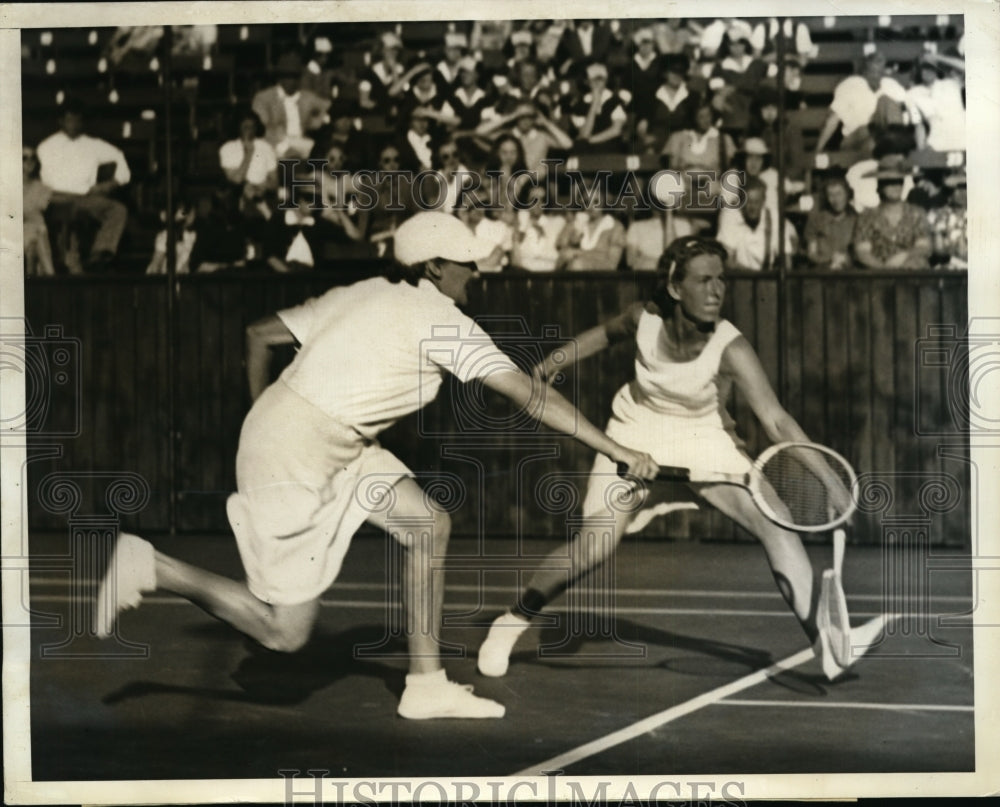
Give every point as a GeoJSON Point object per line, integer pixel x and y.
{"type": "Point", "coordinates": [678, 95]}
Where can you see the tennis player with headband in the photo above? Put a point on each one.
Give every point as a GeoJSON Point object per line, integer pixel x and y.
{"type": "Point", "coordinates": [687, 361]}
{"type": "Point", "coordinates": [367, 357]}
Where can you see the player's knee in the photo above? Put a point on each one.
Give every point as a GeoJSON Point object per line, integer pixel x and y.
{"type": "Point", "coordinates": [286, 639]}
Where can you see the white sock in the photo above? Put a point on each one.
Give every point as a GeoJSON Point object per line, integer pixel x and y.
{"type": "Point", "coordinates": [426, 679]}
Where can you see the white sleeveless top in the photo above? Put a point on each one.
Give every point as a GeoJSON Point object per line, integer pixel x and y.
{"type": "Point", "coordinates": [672, 409]}
{"type": "Point", "coordinates": [685, 389]}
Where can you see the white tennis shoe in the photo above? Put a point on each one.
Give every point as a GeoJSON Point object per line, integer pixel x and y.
{"type": "Point", "coordinates": [494, 654]}
{"type": "Point", "coordinates": [858, 642]}
{"type": "Point", "coordinates": [432, 696]}
{"type": "Point", "coordinates": [131, 572]}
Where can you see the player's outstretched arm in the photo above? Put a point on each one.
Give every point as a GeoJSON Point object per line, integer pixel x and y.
{"type": "Point", "coordinates": [590, 342]}
{"type": "Point", "coordinates": [559, 414]}
{"type": "Point", "coordinates": [261, 336]}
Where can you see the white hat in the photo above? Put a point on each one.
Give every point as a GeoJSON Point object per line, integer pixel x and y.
{"type": "Point", "coordinates": [521, 38]}
{"type": "Point", "coordinates": [390, 40]}
{"type": "Point", "coordinates": [428, 235]}
{"type": "Point", "coordinates": [456, 40]}
{"type": "Point", "coordinates": [467, 63]}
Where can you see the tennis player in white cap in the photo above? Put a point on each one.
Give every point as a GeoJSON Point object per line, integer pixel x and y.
{"type": "Point", "coordinates": [367, 358]}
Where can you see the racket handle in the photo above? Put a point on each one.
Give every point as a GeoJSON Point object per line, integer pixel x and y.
{"type": "Point", "coordinates": [839, 545]}
{"type": "Point", "coordinates": [666, 473]}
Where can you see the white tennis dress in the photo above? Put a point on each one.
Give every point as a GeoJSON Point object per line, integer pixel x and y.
{"type": "Point", "coordinates": [671, 410]}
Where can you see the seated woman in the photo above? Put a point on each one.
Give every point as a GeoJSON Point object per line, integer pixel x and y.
{"type": "Point", "coordinates": [703, 148]}
{"type": "Point", "coordinates": [896, 234]}
{"type": "Point", "coordinates": [764, 123]}
{"type": "Point", "coordinates": [251, 166]}
{"type": "Point", "coordinates": [736, 77]}
{"type": "Point", "coordinates": [829, 231]}
{"type": "Point", "coordinates": [599, 117]}
{"type": "Point", "coordinates": [536, 238]}
{"type": "Point", "coordinates": [950, 225]}
{"type": "Point", "coordinates": [505, 171]}
{"type": "Point", "coordinates": [381, 85]}
{"type": "Point", "coordinates": [593, 239]}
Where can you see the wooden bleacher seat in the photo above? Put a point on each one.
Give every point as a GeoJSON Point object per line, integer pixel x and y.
{"type": "Point", "coordinates": [895, 51]}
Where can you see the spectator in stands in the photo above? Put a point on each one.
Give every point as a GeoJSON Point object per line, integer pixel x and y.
{"type": "Point", "coordinates": [587, 41]}
{"type": "Point", "coordinates": [222, 238]}
{"type": "Point", "coordinates": [289, 113]}
{"type": "Point", "coordinates": [599, 118]}
{"type": "Point", "coordinates": [251, 166]}
{"type": "Point", "coordinates": [82, 172]}
{"type": "Point", "coordinates": [861, 174]}
{"type": "Point", "coordinates": [896, 234]}
{"type": "Point", "coordinates": [672, 108]}
{"type": "Point", "coordinates": [294, 237]}
{"type": "Point", "coordinates": [343, 131]}
{"type": "Point", "coordinates": [522, 46]}
{"type": "Point", "coordinates": [527, 86]}
{"type": "Point", "coordinates": [468, 100]}
{"type": "Point", "coordinates": [37, 249]}
{"type": "Point", "coordinates": [593, 239]}
{"type": "Point", "coordinates": [764, 123]}
{"type": "Point", "coordinates": [863, 107]}
{"type": "Point", "coordinates": [736, 77]}
{"type": "Point", "coordinates": [453, 176]}
{"type": "Point", "coordinates": [949, 225]}
{"type": "Point", "coordinates": [754, 160]}
{"type": "Point", "coordinates": [490, 35]}
{"type": "Point", "coordinates": [138, 43]}
{"type": "Point", "coordinates": [318, 76]}
{"type": "Point", "coordinates": [645, 240]}
{"type": "Point", "coordinates": [423, 92]}
{"type": "Point", "coordinates": [382, 83]}
{"type": "Point", "coordinates": [703, 148]}
{"type": "Point", "coordinates": [417, 153]}
{"type": "Point", "coordinates": [750, 233]}
{"type": "Point", "coordinates": [506, 174]}
{"type": "Point", "coordinates": [446, 72]}
{"type": "Point", "coordinates": [535, 132]}
{"type": "Point", "coordinates": [338, 182]}
{"type": "Point", "coordinates": [547, 34]}
{"type": "Point", "coordinates": [936, 108]}
{"type": "Point", "coordinates": [829, 231]}
{"type": "Point", "coordinates": [495, 234]}
{"type": "Point", "coordinates": [642, 74]}
{"type": "Point", "coordinates": [676, 36]}
{"type": "Point", "coordinates": [798, 40]}
{"type": "Point", "coordinates": [185, 237]}
{"type": "Point", "coordinates": [535, 241]}
{"type": "Point", "coordinates": [388, 212]}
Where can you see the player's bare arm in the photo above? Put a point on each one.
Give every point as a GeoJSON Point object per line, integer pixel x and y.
{"type": "Point", "coordinates": [559, 414]}
{"type": "Point", "coordinates": [261, 336]}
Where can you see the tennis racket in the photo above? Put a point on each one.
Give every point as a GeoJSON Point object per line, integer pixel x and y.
{"type": "Point", "coordinates": [805, 487]}
{"type": "Point", "coordinates": [833, 610]}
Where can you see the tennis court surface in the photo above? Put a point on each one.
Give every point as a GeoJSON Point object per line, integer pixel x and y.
{"type": "Point", "coordinates": [702, 669]}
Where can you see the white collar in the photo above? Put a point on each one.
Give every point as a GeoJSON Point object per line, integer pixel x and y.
{"type": "Point", "coordinates": [469, 98]}
{"type": "Point", "coordinates": [649, 61]}
{"type": "Point", "coordinates": [672, 103]}
{"type": "Point", "coordinates": [588, 239]}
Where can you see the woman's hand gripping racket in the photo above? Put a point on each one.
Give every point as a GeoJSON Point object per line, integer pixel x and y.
{"type": "Point", "coordinates": [804, 487]}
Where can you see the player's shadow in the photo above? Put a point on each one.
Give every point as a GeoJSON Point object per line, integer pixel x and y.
{"type": "Point", "coordinates": [286, 679]}
{"type": "Point", "coordinates": [711, 657]}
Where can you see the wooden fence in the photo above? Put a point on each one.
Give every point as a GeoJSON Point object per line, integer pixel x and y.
{"type": "Point", "coordinates": [869, 369]}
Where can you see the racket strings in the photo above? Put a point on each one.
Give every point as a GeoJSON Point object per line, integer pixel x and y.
{"type": "Point", "coordinates": [805, 486]}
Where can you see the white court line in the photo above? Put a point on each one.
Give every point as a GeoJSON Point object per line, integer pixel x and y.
{"type": "Point", "coordinates": [890, 707]}
{"type": "Point", "coordinates": [627, 592]}
{"type": "Point", "coordinates": [451, 607]}
{"type": "Point", "coordinates": [666, 716]}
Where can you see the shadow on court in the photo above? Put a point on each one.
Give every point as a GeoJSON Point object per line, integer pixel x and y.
{"type": "Point", "coordinates": [282, 679]}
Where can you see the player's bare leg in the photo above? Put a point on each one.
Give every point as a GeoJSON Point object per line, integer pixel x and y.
{"type": "Point", "coordinates": [136, 569]}
{"type": "Point", "coordinates": [596, 541]}
{"type": "Point", "coordinates": [428, 693]}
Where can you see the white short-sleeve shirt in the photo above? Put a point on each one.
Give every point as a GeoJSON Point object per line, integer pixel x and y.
{"type": "Point", "coordinates": [376, 351]}
{"type": "Point", "coordinates": [854, 101]}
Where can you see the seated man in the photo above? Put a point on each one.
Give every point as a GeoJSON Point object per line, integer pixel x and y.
{"type": "Point", "coordinates": [289, 112]}
{"type": "Point", "coordinates": [750, 233]}
{"type": "Point", "coordinates": [863, 106]}
{"type": "Point", "coordinates": [82, 171]}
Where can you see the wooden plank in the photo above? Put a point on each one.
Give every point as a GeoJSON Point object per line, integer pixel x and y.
{"type": "Point", "coordinates": [792, 349]}
{"type": "Point", "coordinates": [187, 405]}
{"type": "Point", "coordinates": [839, 379]}
{"type": "Point", "coordinates": [814, 389]}
{"type": "Point", "coordinates": [858, 448]}
{"type": "Point", "coordinates": [882, 317]}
